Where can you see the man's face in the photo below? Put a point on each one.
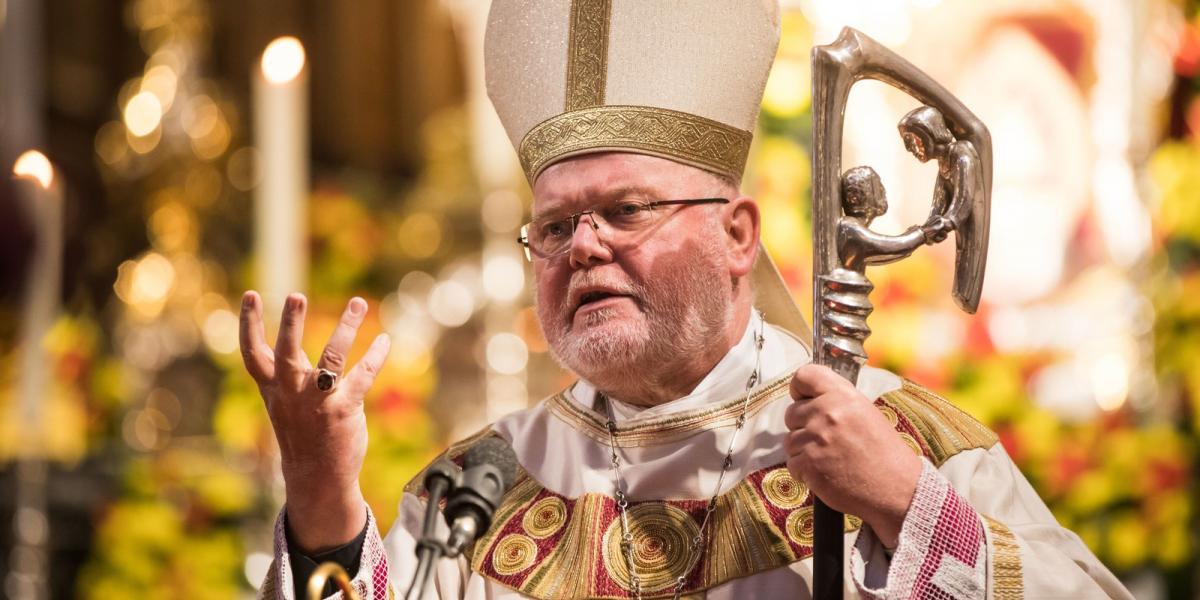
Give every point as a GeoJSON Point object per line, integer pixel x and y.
{"type": "Point", "coordinates": [615, 302]}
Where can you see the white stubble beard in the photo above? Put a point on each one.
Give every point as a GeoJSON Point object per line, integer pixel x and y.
{"type": "Point", "coordinates": [681, 317]}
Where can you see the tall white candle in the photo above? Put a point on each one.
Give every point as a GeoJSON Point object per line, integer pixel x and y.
{"type": "Point", "coordinates": [44, 202]}
{"type": "Point", "coordinates": [42, 300]}
{"type": "Point", "coordinates": [280, 90]}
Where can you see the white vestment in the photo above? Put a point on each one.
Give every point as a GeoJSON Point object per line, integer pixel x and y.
{"type": "Point", "coordinates": [975, 529]}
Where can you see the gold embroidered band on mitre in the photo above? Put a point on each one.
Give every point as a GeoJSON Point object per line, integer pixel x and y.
{"type": "Point", "coordinates": [679, 136]}
{"type": "Point", "coordinates": [587, 49]}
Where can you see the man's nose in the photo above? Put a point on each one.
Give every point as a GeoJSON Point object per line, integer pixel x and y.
{"type": "Point", "coordinates": [587, 249]}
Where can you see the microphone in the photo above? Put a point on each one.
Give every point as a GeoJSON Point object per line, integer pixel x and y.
{"type": "Point", "coordinates": [489, 468]}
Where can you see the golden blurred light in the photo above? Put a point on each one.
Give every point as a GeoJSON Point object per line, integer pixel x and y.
{"type": "Point", "coordinates": [502, 211]}
{"type": "Point", "coordinates": [420, 235]}
{"type": "Point", "coordinates": [417, 282]}
{"type": "Point", "coordinates": [507, 354]}
{"type": "Point", "coordinates": [242, 168]}
{"type": "Point", "coordinates": [152, 279]}
{"type": "Point", "coordinates": [203, 185]}
{"type": "Point", "coordinates": [283, 60]}
{"type": "Point", "coordinates": [145, 284]}
{"type": "Point", "coordinates": [34, 165]}
{"type": "Point", "coordinates": [213, 144]}
{"type": "Point", "coordinates": [221, 331]}
{"type": "Point", "coordinates": [410, 353]}
{"type": "Point", "coordinates": [503, 277]}
{"type": "Point", "coordinates": [146, 429]}
{"type": "Point", "coordinates": [205, 304]}
{"type": "Point", "coordinates": [128, 90]}
{"type": "Point", "coordinates": [200, 116]}
{"type": "Point", "coordinates": [143, 144]}
{"type": "Point", "coordinates": [171, 227]}
{"type": "Point", "coordinates": [505, 394]}
{"type": "Point", "coordinates": [450, 303]}
{"type": "Point", "coordinates": [143, 113]}
{"type": "Point", "coordinates": [166, 403]}
{"type": "Point", "coordinates": [110, 143]}
{"type": "Point", "coordinates": [168, 58]}
{"type": "Point", "coordinates": [161, 81]}
{"type": "Point", "coordinates": [1110, 381]}
{"type": "Point", "coordinates": [143, 348]}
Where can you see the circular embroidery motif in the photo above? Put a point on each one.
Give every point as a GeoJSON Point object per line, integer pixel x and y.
{"type": "Point", "coordinates": [545, 517]}
{"type": "Point", "coordinates": [784, 491]}
{"type": "Point", "coordinates": [800, 526]}
{"type": "Point", "coordinates": [514, 554]}
{"type": "Point", "coordinates": [912, 443]}
{"type": "Point", "coordinates": [662, 545]}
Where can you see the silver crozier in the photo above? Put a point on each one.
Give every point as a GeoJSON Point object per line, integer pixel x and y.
{"type": "Point", "coordinates": [844, 203]}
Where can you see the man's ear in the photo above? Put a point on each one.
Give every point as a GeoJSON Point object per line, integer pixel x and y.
{"type": "Point", "coordinates": [741, 235]}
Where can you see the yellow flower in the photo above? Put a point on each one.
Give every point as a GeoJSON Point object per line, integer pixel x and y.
{"type": "Point", "coordinates": [1127, 541]}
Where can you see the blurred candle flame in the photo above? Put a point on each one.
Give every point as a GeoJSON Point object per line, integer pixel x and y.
{"type": "Point", "coordinates": [283, 60]}
{"type": "Point", "coordinates": [34, 165]}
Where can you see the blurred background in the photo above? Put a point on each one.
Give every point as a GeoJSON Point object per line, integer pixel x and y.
{"type": "Point", "coordinates": [182, 153]}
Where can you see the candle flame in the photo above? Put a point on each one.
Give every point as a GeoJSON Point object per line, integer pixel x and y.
{"type": "Point", "coordinates": [34, 165]}
{"type": "Point", "coordinates": [283, 60]}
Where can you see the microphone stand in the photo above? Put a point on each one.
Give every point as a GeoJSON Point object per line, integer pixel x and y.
{"type": "Point", "coordinates": [439, 481]}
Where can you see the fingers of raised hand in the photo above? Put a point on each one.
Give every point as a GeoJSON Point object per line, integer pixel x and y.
{"type": "Point", "coordinates": [258, 356]}
{"type": "Point", "coordinates": [333, 357]}
{"type": "Point", "coordinates": [360, 378]}
{"type": "Point", "coordinates": [289, 357]}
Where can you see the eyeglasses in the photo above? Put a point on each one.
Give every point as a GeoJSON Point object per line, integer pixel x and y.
{"type": "Point", "coordinates": [548, 237]}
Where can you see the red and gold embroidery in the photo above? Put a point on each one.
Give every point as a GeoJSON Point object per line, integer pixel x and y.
{"type": "Point", "coordinates": [545, 545]}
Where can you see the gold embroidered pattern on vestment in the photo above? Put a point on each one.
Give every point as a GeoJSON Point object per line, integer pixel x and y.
{"type": "Point", "coordinates": [514, 554]}
{"type": "Point", "coordinates": [545, 545]}
{"type": "Point", "coordinates": [693, 139]}
{"type": "Point", "coordinates": [545, 518]}
{"type": "Point", "coordinates": [587, 53]}
{"type": "Point", "coordinates": [1007, 583]}
{"type": "Point", "coordinates": [668, 428]}
{"type": "Point", "coordinates": [582, 557]}
{"type": "Point", "coordinates": [783, 491]}
{"type": "Point", "coordinates": [662, 539]}
{"type": "Point", "coordinates": [944, 429]}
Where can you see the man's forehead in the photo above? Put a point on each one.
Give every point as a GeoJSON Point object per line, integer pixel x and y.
{"type": "Point", "coordinates": [597, 177]}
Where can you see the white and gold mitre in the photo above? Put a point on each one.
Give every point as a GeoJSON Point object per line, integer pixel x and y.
{"type": "Point", "coordinates": [680, 79]}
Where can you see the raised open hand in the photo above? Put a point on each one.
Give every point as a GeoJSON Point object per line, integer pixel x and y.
{"type": "Point", "coordinates": [322, 433]}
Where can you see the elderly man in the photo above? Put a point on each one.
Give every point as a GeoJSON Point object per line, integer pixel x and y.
{"type": "Point", "coordinates": [684, 460]}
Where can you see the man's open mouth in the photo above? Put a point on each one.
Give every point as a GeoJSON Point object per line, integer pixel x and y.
{"type": "Point", "coordinates": [597, 296]}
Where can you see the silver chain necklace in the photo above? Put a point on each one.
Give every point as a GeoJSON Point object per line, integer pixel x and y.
{"type": "Point", "coordinates": [623, 499]}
